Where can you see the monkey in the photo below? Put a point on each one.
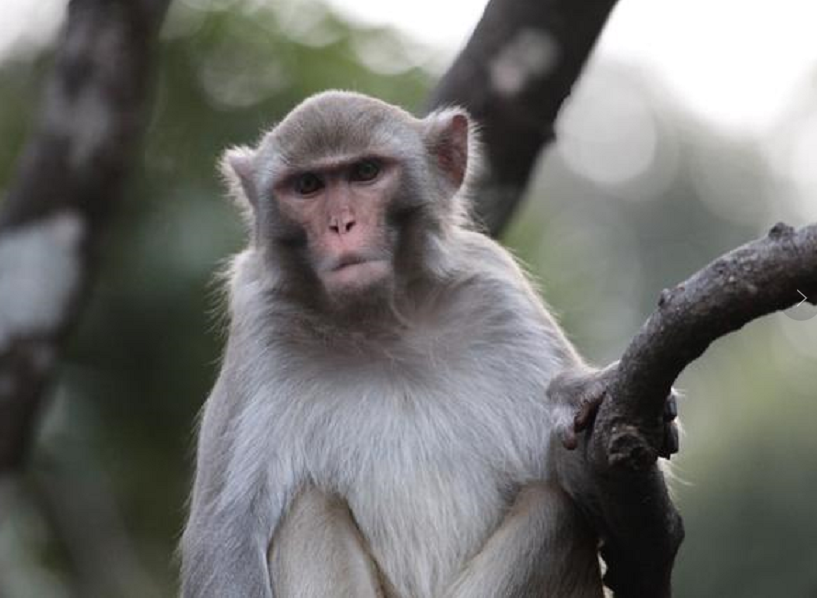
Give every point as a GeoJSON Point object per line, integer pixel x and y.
{"type": "Point", "coordinates": [388, 420]}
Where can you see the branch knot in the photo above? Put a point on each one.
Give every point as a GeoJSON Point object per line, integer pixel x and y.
{"type": "Point", "coordinates": [781, 230]}
{"type": "Point", "coordinates": [629, 449]}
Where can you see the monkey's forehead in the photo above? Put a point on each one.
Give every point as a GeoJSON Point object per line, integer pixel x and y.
{"type": "Point", "coordinates": [342, 123]}
{"type": "Point", "coordinates": [338, 103]}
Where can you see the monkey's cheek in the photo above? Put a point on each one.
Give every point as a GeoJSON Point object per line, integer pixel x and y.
{"type": "Point", "coordinates": [356, 277]}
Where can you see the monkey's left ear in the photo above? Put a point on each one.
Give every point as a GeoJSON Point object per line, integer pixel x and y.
{"type": "Point", "coordinates": [447, 137]}
{"type": "Point", "coordinates": [237, 166]}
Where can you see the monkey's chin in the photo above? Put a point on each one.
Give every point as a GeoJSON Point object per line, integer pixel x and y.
{"type": "Point", "coordinates": [353, 279]}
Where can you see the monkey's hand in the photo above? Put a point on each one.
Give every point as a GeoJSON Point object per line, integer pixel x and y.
{"type": "Point", "coordinates": [576, 395]}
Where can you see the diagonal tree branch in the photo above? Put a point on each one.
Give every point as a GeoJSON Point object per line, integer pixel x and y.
{"type": "Point", "coordinates": [756, 279]}
{"type": "Point", "coordinates": [642, 530]}
{"type": "Point", "coordinates": [67, 182]}
{"type": "Point", "coordinates": [513, 76]}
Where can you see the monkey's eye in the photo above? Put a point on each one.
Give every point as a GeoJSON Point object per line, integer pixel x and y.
{"type": "Point", "coordinates": [365, 170]}
{"type": "Point", "coordinates": [308, 183]}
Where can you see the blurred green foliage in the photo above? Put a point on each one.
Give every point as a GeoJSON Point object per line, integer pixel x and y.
{"type": "Point", "coordinates": [100, 511]}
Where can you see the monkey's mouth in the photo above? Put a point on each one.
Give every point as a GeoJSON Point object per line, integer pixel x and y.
{"type": "Point", "coordinates": [352, 271]}
{"type": "Point", "coordinates": [350, 260]}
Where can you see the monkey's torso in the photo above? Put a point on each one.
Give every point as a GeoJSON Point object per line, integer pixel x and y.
{"type": "Point", "coordinates": [428, 436]}
{"type": "Point", "coordinates": [380, 426]}
{"type": "Point", "coordinates": [427, 471]}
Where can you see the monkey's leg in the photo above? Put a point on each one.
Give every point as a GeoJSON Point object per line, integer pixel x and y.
{"type": "Point", "coordinates": [318, 552]}
{"type": "Point", "coordinates": [543, 549]}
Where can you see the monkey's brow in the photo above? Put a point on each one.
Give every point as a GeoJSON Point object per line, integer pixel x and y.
{"type": "Point", "coordinates": [331, 164]}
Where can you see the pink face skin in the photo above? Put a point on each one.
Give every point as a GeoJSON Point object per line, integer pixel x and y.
{"type": "Point", "coordinates": [342, 205]}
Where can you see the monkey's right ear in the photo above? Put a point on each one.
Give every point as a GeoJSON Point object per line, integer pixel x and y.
{"type": "Point", "coordinates": [237, 166]}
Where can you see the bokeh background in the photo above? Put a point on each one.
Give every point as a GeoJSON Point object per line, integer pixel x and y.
{"type": "Point", "coordinates": [693, 130]}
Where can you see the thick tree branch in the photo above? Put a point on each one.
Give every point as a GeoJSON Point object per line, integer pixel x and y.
{"type": "Point", "coordinates": [513, 76]}
{"type": "Point", "coordinates": [759, 278]}
{"type": "Point", "coordinates": [68, 179]}
{"type": "Point", "coordinates": [642, 528]}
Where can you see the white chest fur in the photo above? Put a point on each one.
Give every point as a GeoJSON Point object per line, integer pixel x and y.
{"type": "Point", "coordinates": [427, 442]}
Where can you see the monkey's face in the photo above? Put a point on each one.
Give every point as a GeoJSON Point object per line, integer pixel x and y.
{"type": "Point", "coordinates": [337, 209]}
{"type": "Point", "coordinates": [344, 194]}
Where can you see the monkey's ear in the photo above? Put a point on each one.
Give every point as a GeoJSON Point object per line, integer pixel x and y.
{"type": "Point", "coordinates": [447, 134]}
{"type": "Point", "coordinates": [237, 166]}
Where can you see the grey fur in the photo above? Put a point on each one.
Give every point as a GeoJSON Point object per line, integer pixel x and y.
{"type": "Point", "coordinates": [419, 434]}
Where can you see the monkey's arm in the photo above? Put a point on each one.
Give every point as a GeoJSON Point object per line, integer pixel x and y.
{"type": "Point", "coordinates": [576, 395]}
{"type": "Point", "coordinates": [233, 509]}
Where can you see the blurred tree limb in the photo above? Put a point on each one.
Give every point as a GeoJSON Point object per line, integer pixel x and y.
{"type": "Point", "coordinates": [642, 530]}
{"type": "Point", "coordinates": [67, 181]}
{"type": "Point", "coordinates": [514, 74]}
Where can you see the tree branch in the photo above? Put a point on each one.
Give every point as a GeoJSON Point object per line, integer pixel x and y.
{"type": "Point", "coordinates": [513, 76]}
{"type": "Point", "coordinates": [68, 179]}
{"type": "Point", "coordinates": [642, 529]}
{"type": "Point", "coordinates": [754, 280]}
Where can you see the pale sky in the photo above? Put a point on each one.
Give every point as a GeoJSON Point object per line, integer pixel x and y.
{"type": "Point", "coordinates": [737, 63]}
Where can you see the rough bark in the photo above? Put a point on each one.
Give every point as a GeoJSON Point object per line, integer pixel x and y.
{"type": "Point", "coordinates": [756, 279]}
{"type": "Point", "coordinates": [67, 181]}
{"type": "Point", "coordinates": [641, 526]}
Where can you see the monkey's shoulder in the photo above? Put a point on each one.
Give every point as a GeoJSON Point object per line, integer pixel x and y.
{"type": "Point", "coordinates": [487, 261]}
{"type": "Point", "coordinates": [492, 272]}
{"type": "Point", "coordinates": [477, 248]}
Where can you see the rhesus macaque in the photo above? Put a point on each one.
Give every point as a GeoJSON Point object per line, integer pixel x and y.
{"type": "Point", "coordinates": [380, 425]}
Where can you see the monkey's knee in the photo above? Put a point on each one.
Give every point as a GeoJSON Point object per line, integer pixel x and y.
{"type": "Point", "coordinates": [542, 548]}
{"type": "Point", "coordinates": [557, 551]}
{"type": "Point", "coordinates": [571, 567]}
{"type": "Point", "coordinates": [318, 551]}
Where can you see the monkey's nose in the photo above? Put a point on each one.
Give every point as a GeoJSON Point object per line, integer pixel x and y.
{"type": "Point", "coordinates": [341, 224]}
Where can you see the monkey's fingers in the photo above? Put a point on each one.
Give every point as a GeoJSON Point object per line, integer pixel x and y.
{"type": "Point", "coordinates": [570, 439]}
{"type": "Point", "coordinates": [578, 394]}
{"type": "Point", "coordinates": [587, 410]}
